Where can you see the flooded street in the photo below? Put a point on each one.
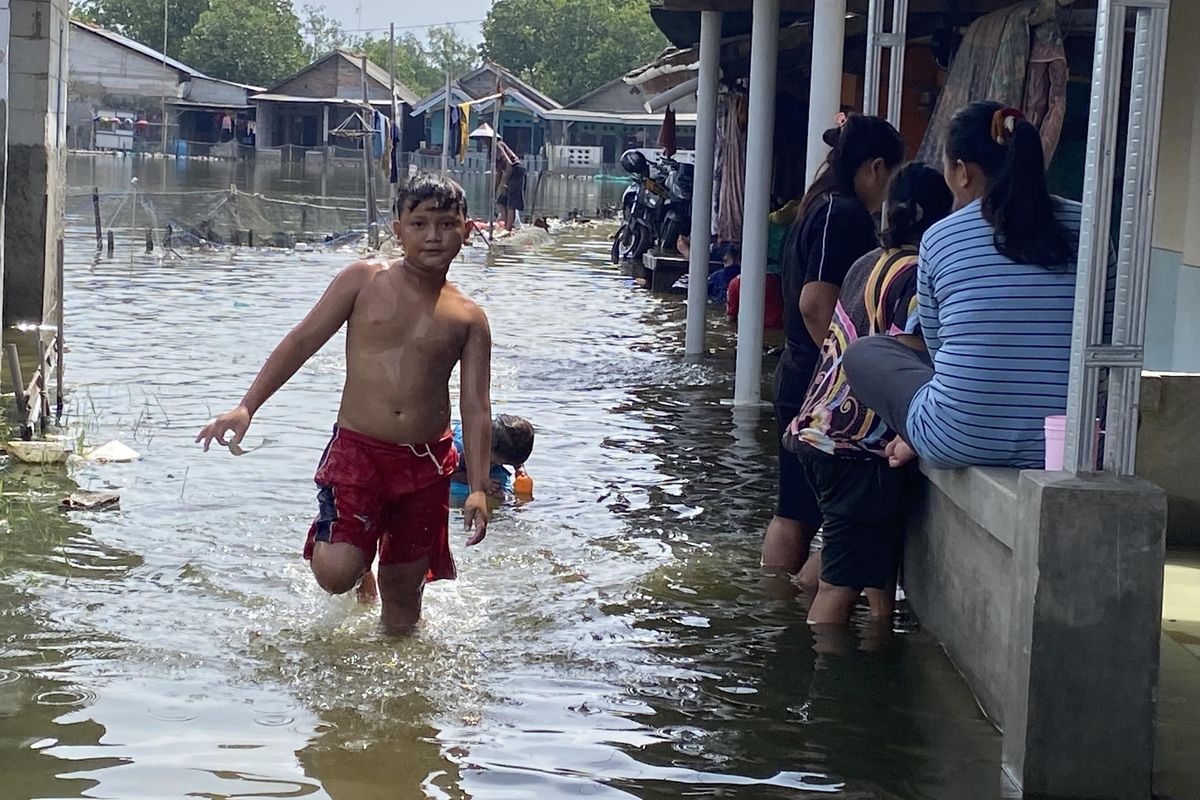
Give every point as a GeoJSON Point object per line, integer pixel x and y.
{"type": "Point", "coordinates": [611, 639]}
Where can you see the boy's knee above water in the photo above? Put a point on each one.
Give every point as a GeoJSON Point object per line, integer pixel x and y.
{"type": "Point", "coordinates": [337, 566]}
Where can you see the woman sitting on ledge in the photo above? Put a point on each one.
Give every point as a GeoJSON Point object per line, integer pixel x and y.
{"type": "Point", "coordinates": [996, 290]}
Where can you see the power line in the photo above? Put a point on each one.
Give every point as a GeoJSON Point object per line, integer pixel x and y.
{"type": "Point", "coordinates": [414, 27]}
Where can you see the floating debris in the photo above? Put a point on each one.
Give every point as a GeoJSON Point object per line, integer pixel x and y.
{"type": "Point", "coordinates": [113, 452]}
{"type": "Point", "coordinates": [84, 500]}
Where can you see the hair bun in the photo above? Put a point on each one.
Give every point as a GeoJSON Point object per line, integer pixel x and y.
{"type": "Point", "coordinates": [831, 136]}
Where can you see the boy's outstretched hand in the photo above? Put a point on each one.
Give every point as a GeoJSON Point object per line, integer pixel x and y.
{"type": "Point", "coordinates": [475, 516]}
{"type": "Point", "coordinates": [235, 422]}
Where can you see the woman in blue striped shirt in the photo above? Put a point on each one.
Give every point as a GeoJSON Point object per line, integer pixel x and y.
{"type": "Point", "coordinates": [996, 290]}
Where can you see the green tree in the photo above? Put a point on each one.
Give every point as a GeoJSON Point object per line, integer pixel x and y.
{"type": "Point", "coordinates": [321, 33]}
{"type": "Point", "coordinates": [249, 41]}
{"type": "Point", "coordinates": [422, 65]}
{"type": "Point", "coordinates": [142, 20]}
{"type": "Point", "coordinates": [566, 48]}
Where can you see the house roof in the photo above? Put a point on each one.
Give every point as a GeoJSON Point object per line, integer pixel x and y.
{"type": "Point", "coordinates": [268, 97]}
{"type": "Point", "coordinates": [514, 87]}
{"type": "Point", "coordinates": [617, 117]}
{"type": "Point", "coordinates": [154, 55]}
{"type": "Point", "coordinates": [374, 72]}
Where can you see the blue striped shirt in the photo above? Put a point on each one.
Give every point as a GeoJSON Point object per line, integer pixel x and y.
{"type": "Point", "coordinates": [1000, 337]}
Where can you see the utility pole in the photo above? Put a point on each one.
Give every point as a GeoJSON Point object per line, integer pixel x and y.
{"type": "Point", "coordinates": [368, 140]}
{"type": "Point", "coordinates": [163, 95]}
{"type": "Point", "coordinates": [446, 126]}
{"type": "Point", "coordinates": [397, 141]}
{"type": "Point", "coordinates": [495, 164]}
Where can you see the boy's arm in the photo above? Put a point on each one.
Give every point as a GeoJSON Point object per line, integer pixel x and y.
{"type": "Point", "coordinates": [321, 323]}
{"type": "Point", "coordinates": [476, 408]}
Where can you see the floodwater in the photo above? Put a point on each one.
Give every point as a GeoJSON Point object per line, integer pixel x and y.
{"type": "Point", "coordinates": [610, 639]}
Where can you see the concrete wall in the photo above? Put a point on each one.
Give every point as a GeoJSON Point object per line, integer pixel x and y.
{"type": "Point", "coordinates": [4, 60]}
{"type": "Point", "coordinates": [1168, 443]}
{"type": "Point", "coordinates": [1177, 207]}
{"type": "Point", "coordinates": [36, 179]}
{"type": "Point", "coordinates": [1046, 592]}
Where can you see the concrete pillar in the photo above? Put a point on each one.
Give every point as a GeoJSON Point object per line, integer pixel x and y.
{"type": "Point", "coordinates": [1084, 639]}
{"type": "Point", "coordinates": [825, 86]}
{"type": "Point", "coordinates": [706, 139]}
{"type": "Point", "coordinates": [36, 174]}
{"type": "Point", "coordinates": [764, 53]}
{"type": "Point", "coordinates": [4, 59]}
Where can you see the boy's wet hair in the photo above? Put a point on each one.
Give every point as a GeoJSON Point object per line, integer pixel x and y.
{"type": "Point", "coordinates": [512, 439]}
{"type": "Point", "coordinates": [445, 194]}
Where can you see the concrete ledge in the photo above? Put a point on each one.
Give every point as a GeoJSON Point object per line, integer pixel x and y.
{"type": "Point", "coordinates": [1046, 592]}
{"type": "Point", "coordinates": [987, 495]}
{"type": "Point", "coordinates": [661, 271]}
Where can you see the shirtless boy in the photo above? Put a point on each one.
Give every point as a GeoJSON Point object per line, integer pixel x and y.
{"type": "Point", "coordinates": [384, 479]}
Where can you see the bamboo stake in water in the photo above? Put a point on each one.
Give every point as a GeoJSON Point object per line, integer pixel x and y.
{"type": "Point", "coordinates": [58, 340]}
{"type": "Point", "coordinates": [18, 380]}
{"type": "Point", "coordinates": [96, 214]}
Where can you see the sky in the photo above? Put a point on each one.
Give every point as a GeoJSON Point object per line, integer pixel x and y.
{"type": "Point", "coordinates": [406, 13]}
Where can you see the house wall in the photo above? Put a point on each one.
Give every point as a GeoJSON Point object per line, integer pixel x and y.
{"type": "Point", "coordinates": [216, 93]}
{"type": "Point", "coordinates": [320, 81]}
{"type": "Point", "coordinates": [1172, 322]}
{"type": "Point", "coordinates": [620, 97]}
{"type": "Point", "coordinates": [349, 82]}
{"type": "Point", "coordinates": [516, 126]}
{"type": "Point", "coordinates": [103, 75]}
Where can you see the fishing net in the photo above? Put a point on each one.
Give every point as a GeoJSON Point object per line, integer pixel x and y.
{"type": "Point", "coordinates": [226, 217]}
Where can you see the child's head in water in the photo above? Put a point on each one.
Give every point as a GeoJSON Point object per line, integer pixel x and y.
{"type": "Point", "coordinates": [917, 197]}
{"type": "Point", "coordinates": [430, 221]}
{"type": "Point", "coordinates": [512, 440]}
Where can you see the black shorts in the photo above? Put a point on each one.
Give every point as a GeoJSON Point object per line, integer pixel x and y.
{"type": "Point", "coordinates": [864, 503]}
{"type": "Point", "coordinates": [794, 499]}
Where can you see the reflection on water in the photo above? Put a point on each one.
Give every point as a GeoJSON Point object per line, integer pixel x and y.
{"type": "Point", "coordinates": [610, 639]}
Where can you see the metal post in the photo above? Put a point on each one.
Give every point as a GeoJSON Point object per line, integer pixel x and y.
{"type": "Point", "coordinates": [825, 85]}
{"type": "Point", "coordinates": [764, 52]}
{"type": "Point", "coordinates": [874, 50]}
{"type": "Point", "coordinates": [706, 138]}
{"type": "Point", "coordinates": [1122, 355]}
{"type": "Point", "coordinates": [877, 39]}
{"type": "Point", "coordinates": [899, 36]}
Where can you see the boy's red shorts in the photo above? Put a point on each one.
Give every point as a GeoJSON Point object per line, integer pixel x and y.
{"type": "Point", "coordinates": [394, 497]}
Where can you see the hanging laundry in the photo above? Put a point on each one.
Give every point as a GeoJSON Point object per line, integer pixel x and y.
{"type": "Point", "coordinates": [226, 124]}
{"type": "Point", "coordinates": [394, 166]}
{"type": "Point", "coordinates": [384, 128]}
{"type": "Point", "coordinates": [667, 139]}
{"type": "Point", "coordinates": [464, 131]}
{"type": "Point", "coordinates": [377, 137]}
{"type": "Point", "coordinates": [455, 143]}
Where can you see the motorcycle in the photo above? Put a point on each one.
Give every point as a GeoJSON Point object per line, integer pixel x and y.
{"type": "Point", "coordinates": [655, 208]}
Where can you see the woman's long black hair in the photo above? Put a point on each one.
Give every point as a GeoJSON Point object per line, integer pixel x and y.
{"type": "Point", "coordinates": [859, 140]}
{"type": "Point", "coordinates": [1017, 203]}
